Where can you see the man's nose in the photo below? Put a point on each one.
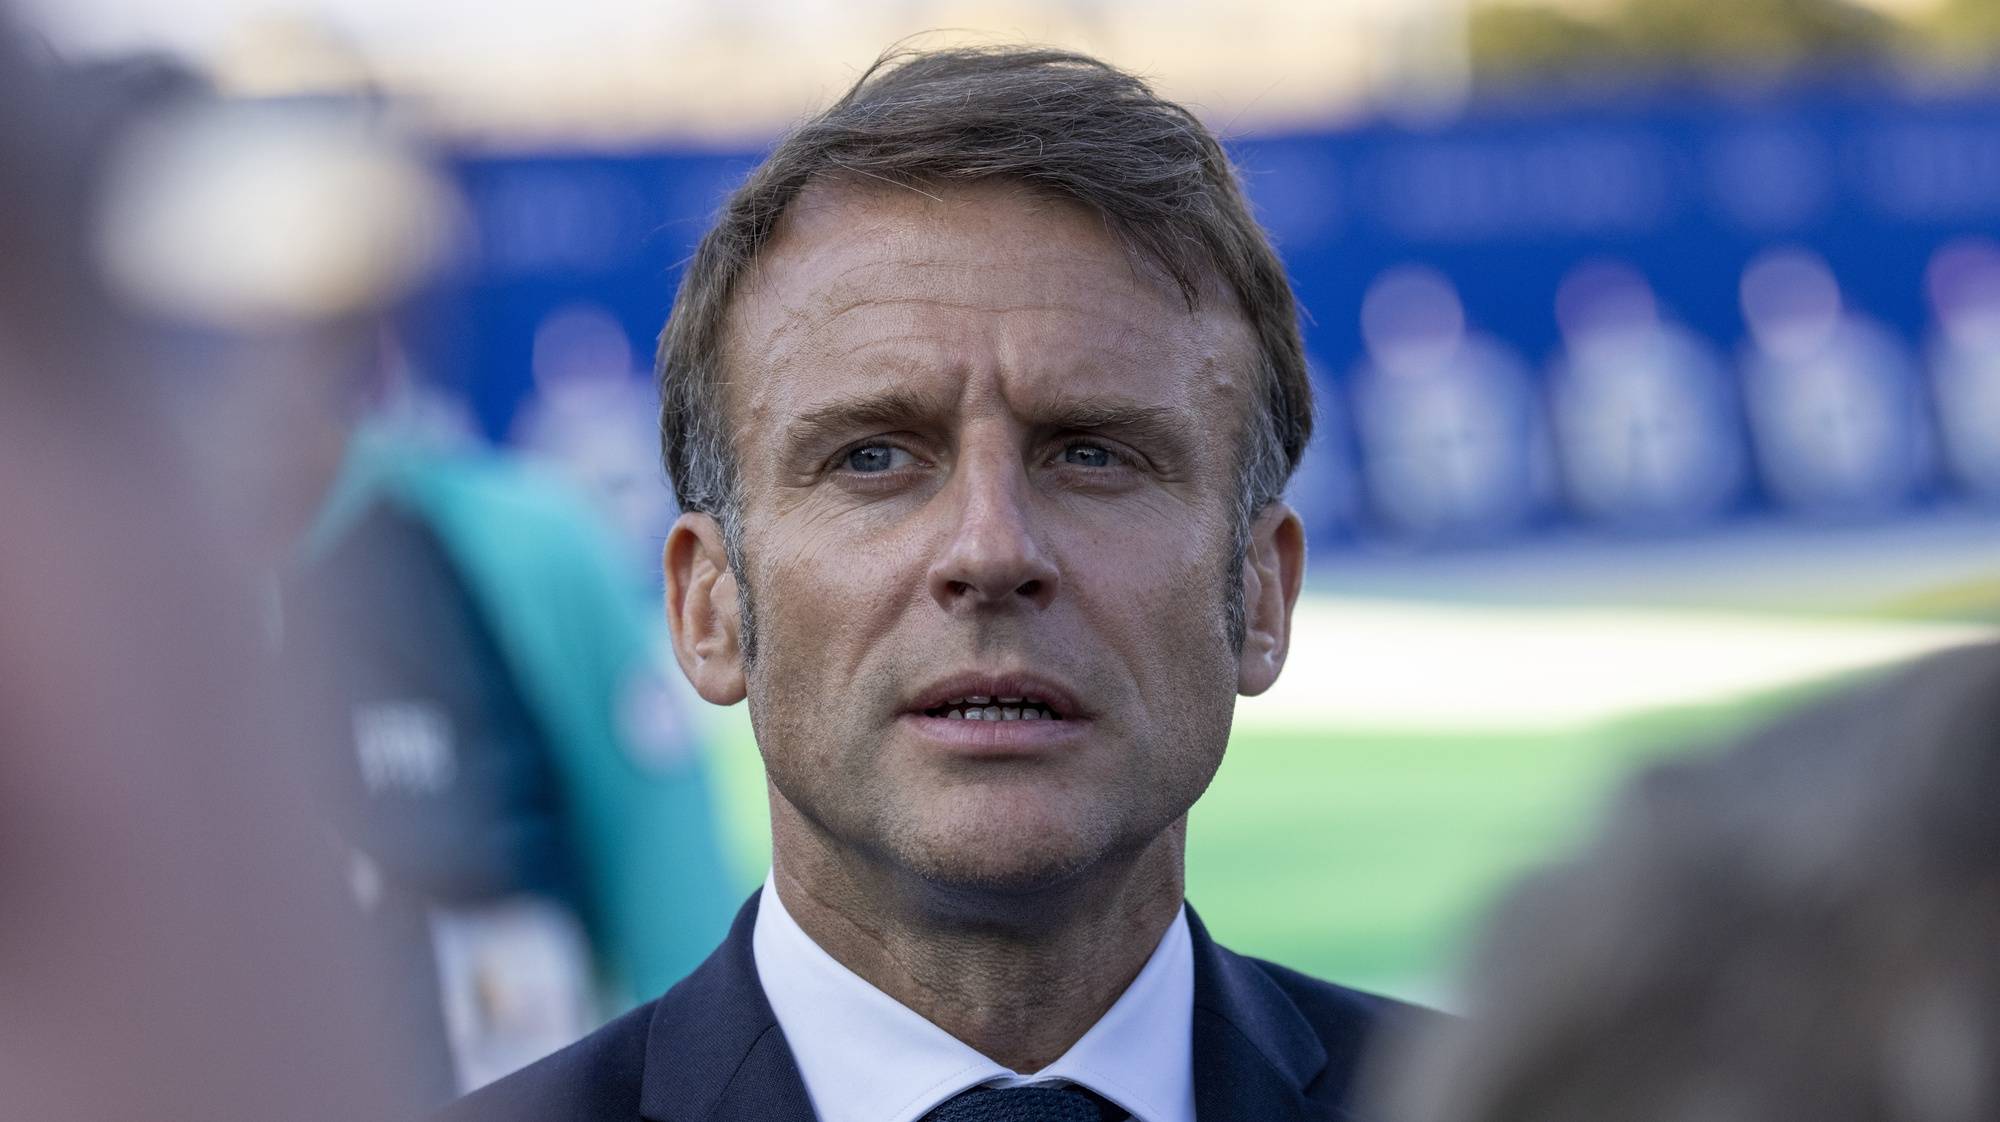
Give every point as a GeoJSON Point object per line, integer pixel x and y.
{"type": "Point", "coordinates": [994, 558]}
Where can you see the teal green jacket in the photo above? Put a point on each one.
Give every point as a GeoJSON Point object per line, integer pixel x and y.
{"type": "Point", "coordinates": [588, 656]}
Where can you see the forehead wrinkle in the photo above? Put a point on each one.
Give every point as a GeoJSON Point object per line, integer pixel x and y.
{"type": "Point", "coordinates": [819, 311]}
{"type": "Point", "coordinates": [1123, 321]}
{"type": "Point", "coordinates": [767, 290]}
{"type": "Point", "coordinates": [893, 279]}
{"type": "Point", "coordinates": [1119, 327]}
{"type": "Point", "coordinates": [1086, 409]}
{"type": "Point", "coordinates": [906, 243]}
{"type": "Point", "coordinates": [983, 326]}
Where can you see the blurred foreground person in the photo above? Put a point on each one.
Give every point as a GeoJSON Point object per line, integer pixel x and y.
{"type": "Point", "coordinates": [1805, 928]}
{"type": "Point", "coordinates": [527, 827]}
{"type": "Point", "coordinates": [176, 942]}
{"type": "Point", "coordinates": [979, 400]}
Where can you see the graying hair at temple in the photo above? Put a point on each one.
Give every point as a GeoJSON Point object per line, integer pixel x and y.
{"type": "Point", "coordinates": [1059, 122]}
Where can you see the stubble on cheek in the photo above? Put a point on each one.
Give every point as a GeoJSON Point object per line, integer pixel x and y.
{"type": "Point", "coordinates": [819, 689]}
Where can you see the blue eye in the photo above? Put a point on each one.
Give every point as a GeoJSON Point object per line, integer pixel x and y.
{"type": "Point", "coordinates": [1088, 455]}
{"type": "Point", "coordinates": [871, 459]}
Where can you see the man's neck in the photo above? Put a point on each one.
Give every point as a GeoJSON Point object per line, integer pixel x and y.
{"type": "Point", "coordinates": [1018, 977]}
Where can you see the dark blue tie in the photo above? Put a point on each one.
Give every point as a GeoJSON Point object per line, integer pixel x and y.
{"type": "Point", "coordinates": [1026, 1104]}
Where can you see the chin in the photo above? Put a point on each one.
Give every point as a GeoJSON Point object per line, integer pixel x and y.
{"type": "Point", "coordinates": [997, 875]}
{"type": "Point", "coordinates": [1004, 847]}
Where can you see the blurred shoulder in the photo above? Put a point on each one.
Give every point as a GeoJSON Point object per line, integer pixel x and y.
{"type": "Point", "coordinates": [598, 1077]}
{"type": "Point", "coordinates": [1911, 734]}
{"type": "Point", "coordinates": [1936, 690]}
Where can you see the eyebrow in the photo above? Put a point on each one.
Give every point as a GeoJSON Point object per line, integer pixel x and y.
{"type": "Point", "coordinates": [1166, 429]}
{"type": "Point", "coordinates": [1139, 421]}
{"type": "Point", "coordinates": [895, 407]}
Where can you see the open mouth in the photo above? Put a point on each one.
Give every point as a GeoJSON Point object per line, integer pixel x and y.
{"type": "Point", "coordinates": [982, 708]}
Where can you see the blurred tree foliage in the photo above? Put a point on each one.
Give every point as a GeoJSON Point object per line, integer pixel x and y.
{"type": "Point", "coordinates": [1964, 31]}
{"type": "Point", "coordinates": [1510, 38]}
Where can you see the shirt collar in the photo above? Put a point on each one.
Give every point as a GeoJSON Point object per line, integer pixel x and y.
{"type": "Point", "coordinates": [865, 1057]}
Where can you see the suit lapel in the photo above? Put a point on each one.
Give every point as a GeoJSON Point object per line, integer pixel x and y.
{"type": "Point", "coordinates": [714, 1052]}
{"type": "Point", "coordinates": [1254, 1052]}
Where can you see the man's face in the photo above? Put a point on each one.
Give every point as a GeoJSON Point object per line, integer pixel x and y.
{"type": "Point", "coordinates": [988, 466]}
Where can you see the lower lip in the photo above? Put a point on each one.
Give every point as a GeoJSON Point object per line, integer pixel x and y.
{"type": "Point", "coordinates": [994, 738]}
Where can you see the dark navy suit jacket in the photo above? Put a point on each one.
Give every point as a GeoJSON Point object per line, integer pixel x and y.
{"type": "Point", "coordinates": [1270, 1045]}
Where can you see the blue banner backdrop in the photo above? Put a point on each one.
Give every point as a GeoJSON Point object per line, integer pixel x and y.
{"type": "Point", "coordinates": [1655, 314]}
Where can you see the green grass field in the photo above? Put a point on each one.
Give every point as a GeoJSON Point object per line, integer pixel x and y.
{"type": "Point", "coordinates": [1369, 858]}
{"type": "Point", "coordinates": [1367, 853]}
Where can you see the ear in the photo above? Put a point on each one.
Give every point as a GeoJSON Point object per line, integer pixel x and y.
{"type": "Point", "coordinates": [1274, 565]}
{"type": "Point", "coordinates": [702, 609]}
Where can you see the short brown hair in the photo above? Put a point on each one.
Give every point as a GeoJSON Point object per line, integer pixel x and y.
{"type": "Point", "coordinates": [1061, 123]}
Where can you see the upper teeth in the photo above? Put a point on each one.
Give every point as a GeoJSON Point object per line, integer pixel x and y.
{"type": "Point", "coordinates": [981, 707]}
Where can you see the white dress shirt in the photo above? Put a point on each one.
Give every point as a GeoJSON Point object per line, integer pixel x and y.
{"type": "Point", "coordinates": [866, 1057]}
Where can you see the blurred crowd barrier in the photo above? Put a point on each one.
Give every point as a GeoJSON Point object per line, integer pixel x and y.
{"type": "Point", "coordinates": [1644, 315]}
